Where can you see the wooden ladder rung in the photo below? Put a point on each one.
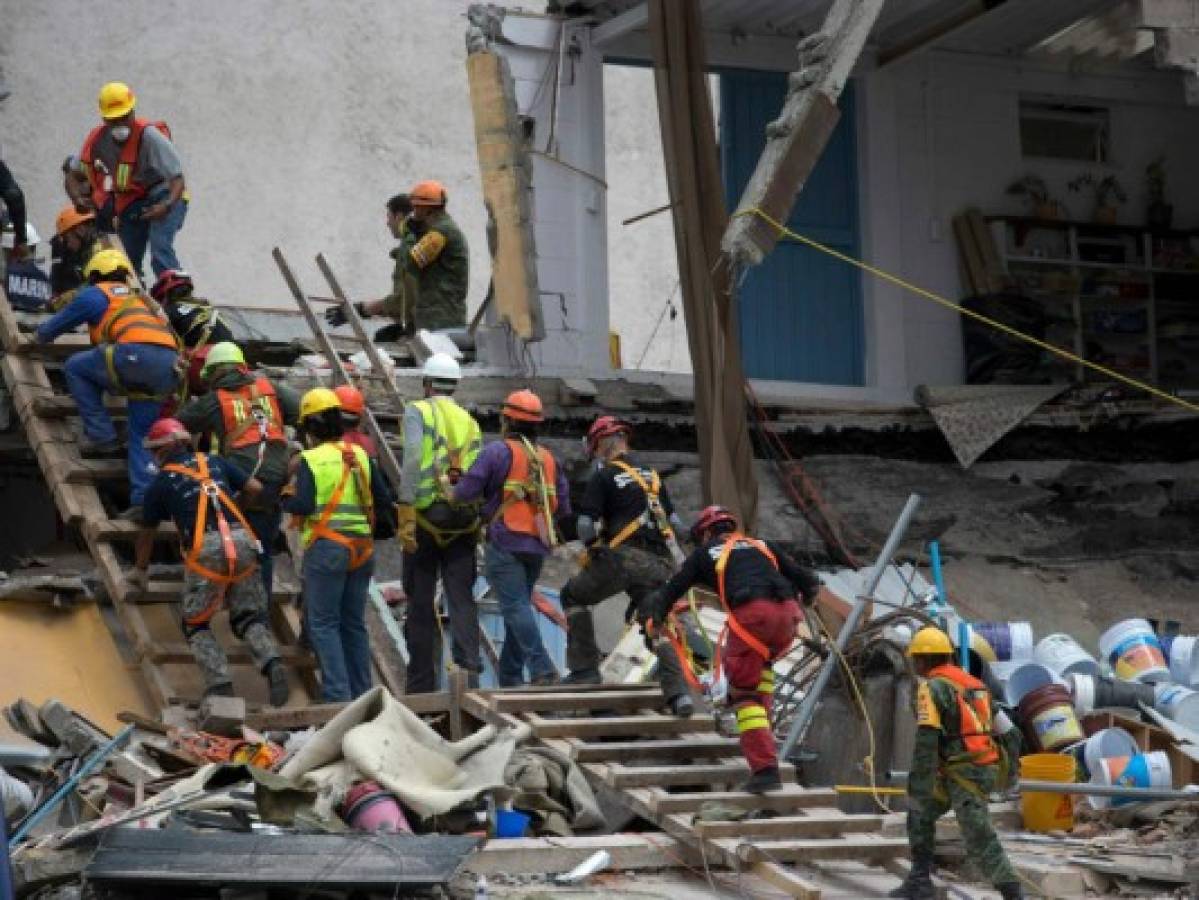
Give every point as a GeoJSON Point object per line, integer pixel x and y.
{"type": "Point", "coordinates": [179, 652]}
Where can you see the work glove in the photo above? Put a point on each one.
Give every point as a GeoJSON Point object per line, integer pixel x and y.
{"type": "Point", "coordinates": [335, 316]}
{"type": "Point", "coordinates": [647, 610]}
{"type": "Point", "coordinates": [406, 532]}
{"type": "Point", "coordinates": [138, 581]}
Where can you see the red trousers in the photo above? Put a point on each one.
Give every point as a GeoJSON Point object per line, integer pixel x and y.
{"type": "Point", "coordinates": [751, 678]}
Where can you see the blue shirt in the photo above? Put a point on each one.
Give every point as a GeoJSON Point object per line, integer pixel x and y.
{"type": "Point", "coordinates": [176, 497]}
{"type": "Point", "coordinates": [88, 308]}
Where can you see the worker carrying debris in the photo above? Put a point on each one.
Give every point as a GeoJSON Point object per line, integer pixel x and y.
{"type": "Point", "coordinates": [523, 490]}
{"type": "Point", "coordinates": [74, 243]}
{"type": "Point", "coordinates": [432, 269]}
{"type": "Point", "coordinates": [955, 765]}
{"type": "Point", "coordinates": [439, 536]}
{"type": "Point", "coordinates": [341, 503]}
{"type": "Point", "coordinates": [136, 178]}
{"type": "Point", "coordinates": [245, 413]}
{"type": "Point", "coordinates": [353, 409]}
{"type": "Point", "coordinates": [194, 319]}
{"type": "Point", "coordinates": [134, 353]}
{"type": "Point", "coordinates": [636, 553]}
{"type": "Point", "coordinates": [757, 583]}
{"type": "Point", "coordinates": [220, 555]}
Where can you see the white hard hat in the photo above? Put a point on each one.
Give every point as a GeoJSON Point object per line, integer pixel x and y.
{"type": "Point", "coordinates": [442, 367]}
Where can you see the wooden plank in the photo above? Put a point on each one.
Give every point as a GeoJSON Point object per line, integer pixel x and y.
{"type": "Point", "coordinates": [91, 471]}
{"type": "Point", "coordinates": [621, 776]}
{"type": "Point", "coordinates": [629, 852]}
{"type": "Point", "coordinates": [176, 652]}
{"type": "Point", "coordinates": [61, 406]}
{"type": "Point", "coordinates": [809, 826]}
{"type": "Point", "coordinates": [684, 748]}
{"type": "Point", "coordinates": [863, 849]}
{"type": "Point", "coordinates": [791, 797]}
{"type": "Point", "coordinates": [103, 530]}
{"type": "Point", "coordinates": [558, 701]}
{"type": "Point", "coordinates": [618, 726]}
{"type": "Point", "coordinates": [787, 880]}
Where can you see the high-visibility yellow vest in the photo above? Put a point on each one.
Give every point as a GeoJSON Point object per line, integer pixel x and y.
{"type": "Point", "coordinates": [450, 443]}
{"type": "Point", "coordinates": [351, 516]}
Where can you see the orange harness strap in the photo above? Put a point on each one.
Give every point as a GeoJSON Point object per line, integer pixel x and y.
{"type": "Point", "coordinates": [218, 498]}
{"type": "Point", "coordinates": [675, 632]}
{"type": "Point", "coordinates": [730, 622]}
{"type": "Point", "coordinates": [361, 549]}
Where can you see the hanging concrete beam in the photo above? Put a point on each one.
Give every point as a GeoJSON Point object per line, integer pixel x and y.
{"type": "Point", "coordinates": [795, 140]}
{"type": "Point", "coordinates": [1168, 13]}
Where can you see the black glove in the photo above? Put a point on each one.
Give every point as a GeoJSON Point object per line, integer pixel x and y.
{"type": "Point", "coordinates": [335, 316]}
{"type": "Point", "coordinates": [647, 609]}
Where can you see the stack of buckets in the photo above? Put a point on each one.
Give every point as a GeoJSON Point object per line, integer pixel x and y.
{"type": "Point", "coordinates": [1053, 682]}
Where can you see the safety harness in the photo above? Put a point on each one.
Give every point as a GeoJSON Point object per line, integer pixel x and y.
{"type": "Point", "coordinates": [730, 622]}
{"type": "Point", "coordinates": [653, 515]}
{"type": "Point", "coordinates": [260, 423]}
{"type": "Point", "coordinates": [974, 727]}
{"type": "Point", "coordinates": [129, 320]}
{"type": "Point", "coordinates": [363, 548]}
{"type": "Point", "coordinates": [217, 498]}
{"type": "Point", "coordinates": [447, 470]}
{"type": "Point", "coordinates": [533, 491]}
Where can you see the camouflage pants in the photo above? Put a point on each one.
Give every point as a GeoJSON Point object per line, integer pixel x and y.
{"type": "Point", "coordinates": [974, 820]}
{"type": "Point", "coordinates": [245, 600]}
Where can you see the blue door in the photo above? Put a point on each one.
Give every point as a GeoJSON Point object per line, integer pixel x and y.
{"type": "Point", "coordinates": [800, 310]}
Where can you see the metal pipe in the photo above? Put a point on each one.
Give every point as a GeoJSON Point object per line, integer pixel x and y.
{"type": "Point", "coordinates": [807, 706]}
{"type": "Point", "coordinates": [1085, 789]}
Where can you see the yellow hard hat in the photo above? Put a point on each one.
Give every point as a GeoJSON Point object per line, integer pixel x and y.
{"type": "Point", "coordinates": [107, 262]}
{"type": "Point", "coordinates": [316, 401]}
{"type": "Point", "coordinates": [930, 642]}
{"type": "Point", "coordinates": [116, 100]}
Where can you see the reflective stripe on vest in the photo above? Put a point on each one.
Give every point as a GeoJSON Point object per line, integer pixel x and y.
{"type": "Point", "coordinates": [529, 488]}
{"type": "Point", "coordinates": [450, 444]}
{"type": "Point", "coordinates": [130, 320]}
{"type": "Point", "coordinates": [126, 189]}
{"type": "Point", "coordinates": [974, 713]}
{"type": "Point", "coordinates": [349, 514]}
{"type": "Point", "coordinates": [250, 415]}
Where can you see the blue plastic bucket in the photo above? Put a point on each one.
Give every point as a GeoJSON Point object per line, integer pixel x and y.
{"type": "Point", "coordinates": [511, 824]}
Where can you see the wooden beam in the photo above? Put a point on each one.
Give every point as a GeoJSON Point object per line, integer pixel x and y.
{"type": "Point", "coordinates": [558, 701]}
{"type": "Point", "coordinates": [622, 776]}
{"type": "Point", "coordinates": [791, 797]}
{"type": "Point", "coordinates": [618, 726]}
{"type": "Point", "coordinates": [683, 748]}
{"type": "Point", "coordinates": [824, 826]}
{"type": "Point", "coordinates": [864, 849]}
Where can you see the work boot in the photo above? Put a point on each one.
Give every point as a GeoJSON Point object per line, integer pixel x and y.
{"type": "Point", "coordinates": [682, 706]}
{"type": "Point", "coordinates": [763, 781]}
{"type": "Point", "coordinates": [1010, 890]}
{"type": "Point", "coordinates": [223, 689]}
{"type": "Point", "coordinates": [549, 679]}
{"type": "Point", "coordinates": [96, 449]}
{"type": "Point", "coordinates": [583, 676]}
{"type": "Point", "coordinates": [919, 883]}
{"type": "Point", "coordinates": [276, 678]}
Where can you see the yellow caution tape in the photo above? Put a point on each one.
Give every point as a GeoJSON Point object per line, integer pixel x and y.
{"type": "Point", "coordinates": [867, 789]}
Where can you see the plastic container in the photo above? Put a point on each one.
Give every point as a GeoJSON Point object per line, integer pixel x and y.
{"type": "Point", "coordinates": [1105, 744]}
{"type": "Point", "coordinates": [1025, 678]}
{"type": "Point", "coordinates": [1064, 655]}
{"type": "Point", "coordinates": [1082, 689]}
{"type": "Point", "coordinates": [1132, 650]}
{"type": "Point", "coordinates": [1009, 640]}
{"type": "Point", "coordinates": [1045, 811]}
{"type": "Point", "coordinates": [1183, 658]}
{"type": "Point", "coordinates": [370, 807]}
{"type": "Point", "coordinates": [1049, 719]}
{"type": "Point", "coordinates": [1111, 693]}
{"type": "Point", "coordinates": [509, 823]}
{"type": "Point", "coordinates": [1141, 770]}
{"type": "Point", "coordinates": [1178, 703]}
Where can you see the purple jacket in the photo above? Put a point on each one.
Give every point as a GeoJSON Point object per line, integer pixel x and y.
{"type": "Point", "coordinates": [486, 479]}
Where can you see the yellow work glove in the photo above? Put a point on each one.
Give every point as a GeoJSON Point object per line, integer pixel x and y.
{"type": "Point", "coordinates": [406, 516]}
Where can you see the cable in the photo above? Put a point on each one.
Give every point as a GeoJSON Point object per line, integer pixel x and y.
{"type": "Point", "coordinates": [669, 306]}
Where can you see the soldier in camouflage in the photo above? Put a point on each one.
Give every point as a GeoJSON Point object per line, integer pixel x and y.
{"type": "Point", "coordinates": [432, 268]}
{"type": "Point", "coordinates": [955, 765]}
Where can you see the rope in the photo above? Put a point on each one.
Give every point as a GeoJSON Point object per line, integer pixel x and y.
{"type": "Point", "coordinates": [782, 231]}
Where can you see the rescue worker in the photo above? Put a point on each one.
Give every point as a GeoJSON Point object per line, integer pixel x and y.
{"type": "Point", "coordinates": [245, 414]}
{"type": "Point", "coordinates": [76, 186]}
{"type": "Point", "coordinates": [523, 491]}
{"type": "Point", "coordinates": [432, 269]}
{"type": "Point", "coordinates": [341, 503]}
{"type": "Point", "coordinates": [954, 766]}
{"type": "Point", "coordinates": [441, 441]}
{"type": "Point", "coordinates": [134, 353]}
{"type": "Point", "coordinates": [757, 583]}
{"type": "Point", "coordinates": [195, 491]}
{"type": "Point", "coordinates": [353, 410]}
{"type": "Point", "coordinates": [195, 320]}
{"type": "Point", "coordinates": [14, 201]}
{"type": "Point", "coordinates": [74, 243]}
{"type": "Point", "coordinates": [136, 179]}
{"type": "Point", "coordinates": [633, 554]}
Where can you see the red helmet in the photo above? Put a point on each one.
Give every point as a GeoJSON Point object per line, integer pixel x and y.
{"type": "Point", "coordinates": [710, 519]}
{"type": "Point", "coordinates": [605, 426]}
{"type": "Point", "coordinates": [351, 399]}
{"type": "Point", "coordinates": [165, 432]}
{"type": "Point", "coordinates": [168, 281]}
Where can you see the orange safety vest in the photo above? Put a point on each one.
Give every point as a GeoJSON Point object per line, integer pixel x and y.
{"type": "Point", "coordinates": [528, 490]}
{"type": "Point", "coordinates": [974, 713]}
{"type": "Point", "coordinates": [126, 189]}
{"type": "Point", "coordinates": [130, 320]}
{"type": "Point", "coordinates": [251, 415]}
{"type": "Point", "coordinates": [191, 560]}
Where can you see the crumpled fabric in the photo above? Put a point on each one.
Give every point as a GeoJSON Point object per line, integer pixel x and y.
{"type": "Point", "coordinates": [552, 787]}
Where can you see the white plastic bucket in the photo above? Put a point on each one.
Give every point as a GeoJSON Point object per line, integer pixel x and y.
{"type": "Point", "coordinates": [1009, 640]}
{"type": "Point", "coordinates": [1109, 743]}
{"type": "Point", "coordinates": [1065, 655]}
{"type": "Point", "coordinates": [1178, 703]}
{"type": "Point", "coordinates": [1025, 679]}
{"type": "Point", "coordinates": [1184, 660]}
{"type": "Point", "coordinates": [1142, 770]}
{"type": "Point", "coordinates": [1132, 650]}
{"type": "Point", "coordinates": [1082, 688]}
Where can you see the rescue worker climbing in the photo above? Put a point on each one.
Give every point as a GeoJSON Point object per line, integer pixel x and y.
{"type": "Point", "coordinates": [134, 353]}
{"type": "Point", "coordinates": [195, 491]}
{"type": "Point", "coordinates": [136, 179]}
{"type": "Point", "coordinates": [523, 491]}
{"type": "Point", "coordinates": [438, 535]}
{"type": "Point", "coordinates": [73, 244]}
{"type": "Point", "coordinates": [635, 552]}
{"type": "Point", "coordinates": [955, 765]}
{"type": "Point", "coordinates": [245, 414]}
{"type": "Point", "coordinates": [432, 269]}
{"type": "Point", "coordinates": [757, 583]}
{"type": "Point", "coordinates": [341, 503]}
{"type": "Point", "coordinates": [353, 410]}
{"type": "Point", "coordinates": [194, 319]}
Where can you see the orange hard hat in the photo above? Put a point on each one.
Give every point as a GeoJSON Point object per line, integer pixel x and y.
{"type": "Point", "coordinates": [69, 217]}
{"type": "Point", "coordinates": [523, 406]}
{"type": "Point", "coordinates": [351, 399]}
{"type": "Point", "coordinates": [427, 193]}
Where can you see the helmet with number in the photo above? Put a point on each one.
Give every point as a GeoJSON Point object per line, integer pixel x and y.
{"type": "Point", "coordinates": [107, 263]}
{"type": "Point", "coordinates": [351, 399]}
{"type": "Point", "coordinates": [713, 519]}
{"type": "Point", "coordinates": [428, 193]}
{"type": "Point", "coordinates": [441, 367]}
{"type": "Point", "coordinates": [226, 353]}
{"type": "Point", "coordinates": [930, 642]}
{"type": "Point", "coordinates": [165, 432]}
{"type": "Point", "coordinates": [116, 100]}
{"type": "Point", "coordinates": [605, 426]}
{"type": "Point", "coordinates": [168, 281]}
{"type": "Point", "coordinates": [316, 401]}
{"type": "Point", "coordinates": [523, 406]}
{"type": "Point", "coordinates": [69, 217]}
